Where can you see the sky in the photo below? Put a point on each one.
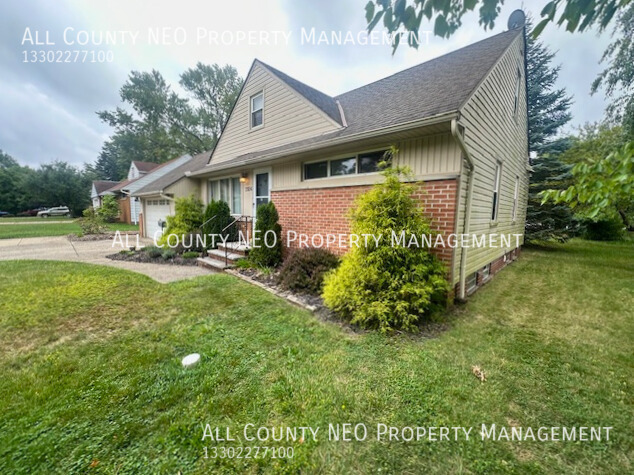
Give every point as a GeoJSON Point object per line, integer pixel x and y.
{"type": "Point", "coordinates": [48, 109]}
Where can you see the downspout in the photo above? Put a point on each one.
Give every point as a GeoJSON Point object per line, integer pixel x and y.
{"type": "Point", "coordinates": [467, 218]}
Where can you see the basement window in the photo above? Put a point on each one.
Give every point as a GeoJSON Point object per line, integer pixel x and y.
{"type": "Point", "coordinates": [257, 110]}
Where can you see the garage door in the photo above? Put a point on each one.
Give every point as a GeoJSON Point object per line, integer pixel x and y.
{"type": "Point", "coordinates": [156, 210]}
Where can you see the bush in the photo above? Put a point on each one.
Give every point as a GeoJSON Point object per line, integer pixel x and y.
{"type": "Point", "coordinates": [304, 269]}
{"type": "Point", "coordinates": [267, 226]}
{"type": "Point", "coordinates": [92, 223]}
{"type": "Point", "coordinates": [384, 286]}
{"type": "Point", "coordinates": [605, 230]}
{"type": "Point", "coordinates": [153, 251]}
{"type": "Point", "coordinates": [187, 218]}
{"type": "Point", "coordinates": [221, 214]}
{"type": "Point", "coordinates": [168, 254]}
{"type": "Point", "coordinates": [109, 209]}
{"type": "Point", "coordinates": [191, 255]}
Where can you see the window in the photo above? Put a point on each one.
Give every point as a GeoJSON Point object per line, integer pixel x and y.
{"type": "Point", "coordinates": [516, 100]}
{"type": "Point", "coordinates": [362, 163]}
{"type": "Point", "coordinates": [315, 170]}
{"type": "Point", "coordinates": [343, 166]}
{"type": "Point", "coordinates": [369, 162]}
{"type": "Point", "coordinates": [257, 108]}
{"type": "Point", "coordinates": [496, 192]}
{"type": "Point", "coordinates": [515, 196]}
{"type": "Point", "coordinates": [227, 190]}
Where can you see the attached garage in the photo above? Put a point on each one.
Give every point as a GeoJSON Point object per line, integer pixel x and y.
{"type": "Point", "coordinates": [157, 211]}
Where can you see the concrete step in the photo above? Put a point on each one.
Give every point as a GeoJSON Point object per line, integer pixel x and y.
{"type": "Point", "coordinates": [235, 248]}
{"type": "Point", "coordinates": [220, 253]}
{"type": "Point", "coordinates": [213, 264]}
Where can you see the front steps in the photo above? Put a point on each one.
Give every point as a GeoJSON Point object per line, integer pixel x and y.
{"type": "Point", "coordinates": [224, 257]}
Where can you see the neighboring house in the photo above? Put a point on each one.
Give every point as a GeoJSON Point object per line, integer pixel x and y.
{"type": "Point", "coordinates": [98, 190]}
{"type": "Point", "coordinates": [158, 193]}
{"type": "Point", "coordinates": [459, 122]}
{"type": "Point", "coordinates": [128, 207]}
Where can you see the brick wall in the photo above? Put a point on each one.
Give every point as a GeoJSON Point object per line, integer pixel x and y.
{"type": "Point", "coordinates": [324, 210]}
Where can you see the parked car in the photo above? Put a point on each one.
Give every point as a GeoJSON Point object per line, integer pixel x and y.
{"type": "Point", "coordinates": [5, 214]}
{"type": "Point", "coordinates": [57, 211]}
{"type": "Point", "coordinates": [32, 212]}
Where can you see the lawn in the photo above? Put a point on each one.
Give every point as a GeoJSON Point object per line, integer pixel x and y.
{"type": "Point", "coordinates": [26, 229]}
{"type": "Point", "coordinates": [92, 378]}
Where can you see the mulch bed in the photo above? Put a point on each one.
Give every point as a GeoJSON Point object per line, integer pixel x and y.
{"type": "Point", "coordinates": [315, 304]}
{"type": "Point", "coordinates": [140, 256]}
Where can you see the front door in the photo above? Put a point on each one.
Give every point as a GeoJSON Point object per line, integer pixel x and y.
{"type": "Point", "coordinates": [262, 189]}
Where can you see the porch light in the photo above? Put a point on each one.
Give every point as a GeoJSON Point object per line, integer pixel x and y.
{"type": "Point", "coordinates": [243, 177]}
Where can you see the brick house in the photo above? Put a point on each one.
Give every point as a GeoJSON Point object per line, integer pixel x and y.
{"type": "Point", "coordinates": [459, 122]}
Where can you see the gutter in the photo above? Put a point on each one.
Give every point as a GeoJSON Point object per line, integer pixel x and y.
{"type": "Point", "coordinates": [467, 217]}
{"type": "Point", "coordinates": [445, 117]}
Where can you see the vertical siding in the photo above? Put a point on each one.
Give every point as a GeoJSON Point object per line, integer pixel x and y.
{"type": "Point", "coordinates": [493, 133]}
{"type": "Point", "coordinates": [287, 118]}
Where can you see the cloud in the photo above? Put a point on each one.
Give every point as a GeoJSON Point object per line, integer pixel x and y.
{"type": "Point", "coordinates": [48, 110]}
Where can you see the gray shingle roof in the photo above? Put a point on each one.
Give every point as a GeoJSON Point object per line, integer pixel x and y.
{"type": "Point", "coordinates": [194, 163]}
{"type": "Point", "coordinates": [145, 166]}
{"type": "Point", "coordinates": [441, 85]}
{"type": "Point", "coordinates": [103, 185]}
{"type": "Point", "coordinates": [322, 101]}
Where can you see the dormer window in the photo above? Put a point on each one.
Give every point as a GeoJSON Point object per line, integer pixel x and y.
{"type": "Point", "coordinates": [257, 109]}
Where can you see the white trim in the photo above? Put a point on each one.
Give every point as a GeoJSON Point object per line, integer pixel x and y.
{"type": "Point", "coordinates": [256, 172]}
{"type": "Point", "coordinates": [251, 111]}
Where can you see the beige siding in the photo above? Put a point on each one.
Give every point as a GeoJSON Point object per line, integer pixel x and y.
{"type": "Point", "coordinates": [493, 133]}
{"type": "Point", "coordinates": [183, 188]}
{"type": "Point", "coordinates": [288, 117]}
{"type": "Point", "coordinates": [434, 156]}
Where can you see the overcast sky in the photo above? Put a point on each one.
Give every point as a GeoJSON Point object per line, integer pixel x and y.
{"type": "Point", "coordinates": [47, 111]}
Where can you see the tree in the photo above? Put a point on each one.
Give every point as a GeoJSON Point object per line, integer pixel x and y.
{"type": "Point", "coordinates": [267, 237]}
{"type": "Point", "coordinates": [155, 124]}
{"type": "Point", "coordinates": [602, 188]}
{"type": "Point", "coordinates": [59, 184]}
{"type": "Point", "coordinates": [548, 111]}
{"type": "Point", "coordinates": [548, 108]}
{"type": "Point", "coordinates": [549, 220]}
{"type": "Point", "coordinates": [618, 78]}
{"type": "Point", "coordinates": [381, 284]}
{"type": "Point", "coordinates": [215, 89]}
{"type": "Point", "coordinates": [405, 16]}
{"type": "Point", "coordinates": [109, 209]}
{"type": "Point", "coordinates": [13, 195]}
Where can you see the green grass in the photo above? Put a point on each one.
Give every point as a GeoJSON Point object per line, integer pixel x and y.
{"type": "Point", "coordinates": [91, 371]}
{"type": "Point", "coordinates": [29, 219]}
{"type": "Point", "coordinates": [9, 231]}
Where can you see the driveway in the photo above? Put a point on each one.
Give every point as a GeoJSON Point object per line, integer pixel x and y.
{"type": "Point", "coordinates": [59, 248]}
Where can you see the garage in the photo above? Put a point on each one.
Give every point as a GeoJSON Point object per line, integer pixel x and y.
{"type": "Point", "coordinates": [156, 211]}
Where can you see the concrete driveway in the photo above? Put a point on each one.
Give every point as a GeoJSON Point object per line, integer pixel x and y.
{"type": "Point", "coordinates": [60, 248]}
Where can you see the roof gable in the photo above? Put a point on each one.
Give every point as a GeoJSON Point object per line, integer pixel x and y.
{"type": "Point", "coordinates": [288, 114]}
{"type": "Point", "coordinates": [99, 186]}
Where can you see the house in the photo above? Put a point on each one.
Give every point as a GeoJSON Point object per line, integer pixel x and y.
{"type": "Point", "coordinates": [160, 188]}
{"type": "Point", "coordinates": [99, 188]}
{"type": "Point", "coordinates": [459, 122]}
{"type": "Point", "coordinates": [128, 207]}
